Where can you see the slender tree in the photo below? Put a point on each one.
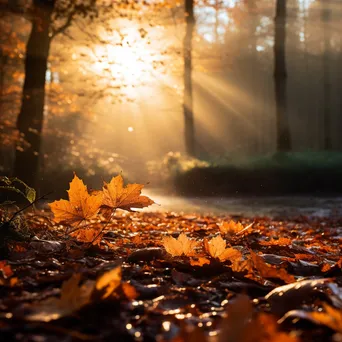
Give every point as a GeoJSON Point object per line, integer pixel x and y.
{"type": "Point", "coordinates": [326, 17]}
{"type": "Point", "coordinates": [49, 18]}
{"type": "Point", "coordinates": [280, 78]}
{"type": "Point", "coordinates": [188, 96]}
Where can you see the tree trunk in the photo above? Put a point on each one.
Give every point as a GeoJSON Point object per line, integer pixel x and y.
{"type": "Point", "coordinates": [188, 99]}
{"type": "Point", "coordinates": [325, 17]}
{"type": "Point", "coordinates": [280, 78]}
{"type": "Point", "coordinates": [31, 116]}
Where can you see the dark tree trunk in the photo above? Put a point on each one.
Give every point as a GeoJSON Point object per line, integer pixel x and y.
{"type": "Point", "coordinates": [188, 100]}
{"type": "Point", "coordinates": [280, 78]}
{"type": "Point", "coordinates": [325, 17]}
{"type": "Point", "coordinates": [31, 116]}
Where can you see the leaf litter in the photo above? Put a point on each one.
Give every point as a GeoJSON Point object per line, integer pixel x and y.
{"type": "Point", "coordinates": [138, 276]}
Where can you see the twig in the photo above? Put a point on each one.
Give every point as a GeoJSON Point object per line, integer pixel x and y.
{"type": "Point", "coordinates": [29, 205]}
{"type": "Point", "coordinates": [101, 231]}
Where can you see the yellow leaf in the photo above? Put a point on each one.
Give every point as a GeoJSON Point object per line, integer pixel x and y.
{"type": "Point", "coordinates": [232, 227]}
{"type": "Point", "coordinates": [108, 283]}
{"type": "Point", "coordinates": [216, 248]}
{"type": "Point", "coordinates": [180, 246]}
{"type": "Point", "coordinates": [116, 196]}
{"type": "Point", "coordinates": [80, 207]}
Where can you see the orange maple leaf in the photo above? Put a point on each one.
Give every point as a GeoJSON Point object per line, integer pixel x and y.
{"type": "Point", "coordinates": [180, 246]}
{"type": "Point", "coordinates": [116, 196]}
{"type": "Point", "coordinates": [216, 248]}
{"type": "Point", "coordinates": [80, 207]}
{"type": "Point", "coordinates": [232, 227]}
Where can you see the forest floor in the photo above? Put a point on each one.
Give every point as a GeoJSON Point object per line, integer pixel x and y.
{"type": "Point", "coordinates": [261, 279]}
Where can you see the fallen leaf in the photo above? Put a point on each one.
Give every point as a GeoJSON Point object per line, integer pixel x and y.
{"type": "Point", "coordinates": [231, 227]}
{"type": "Point", "coordinates": [241, 324]}
{"type": "Point", "coordinates": [268, 271]}
{"type": "Point", "coordinates": [80, 207]}
{"type": "Point", "coordinates": [116, 196]}
{"type": "Point", "coordinates": [6, 269]}
{"type": "Point", "coordinates": [129, 291]}
{"type": "Point", "coordinates": [216, 248]}
{"type": "Point", "coordinates": [107, 283]}
{"type": "Point", "coordinates": [199, 261]}
{"type": "Point", "coordinates": [75, 296]}
{"type": "Point", "coordinates": [180, 246]}
{"type": "Point", "coordinates": [277, 242]}
{"type": "Point", "coordinates": [88, 235]}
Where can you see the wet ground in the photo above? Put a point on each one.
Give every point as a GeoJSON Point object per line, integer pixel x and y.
{"type": "Point", "coordinates": [289, 206]}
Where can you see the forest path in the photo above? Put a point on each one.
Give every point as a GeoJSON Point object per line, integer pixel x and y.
{"type": "Point", "coordinates": [289, 206]}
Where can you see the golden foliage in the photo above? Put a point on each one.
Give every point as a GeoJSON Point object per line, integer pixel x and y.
{"type": "Point", "coordinates": [116, 196]}
{"type": "Point", "coordinates": [180, 246]}
{"type": "Point", "coordinates": [216, 248]}
{"type": "Point", "coordinates": [233, 227]}
{"type": "Point", "coordinates": [81, 205]}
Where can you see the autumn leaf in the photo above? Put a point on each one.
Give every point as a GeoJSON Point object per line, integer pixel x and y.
{"type": "Point", "coordinates": [107, 283]}
{"type": "Point", "coordinates": [81, 205]}
{"type": "Point", "coordinates": [268, 271]}
{"type": "Point", "coordinates": [277, 242]}
{"type": "Point", "coordinates": [116, 196]}
{"type": "Point", "coordinates": [88, 235]}
{"type": "Point", "coordinates": [232, 227]}
{"type": "Point", "coordinates": [180, 246]}
{"type": "Point", "coordinates": [5, 269]}
{"type": "Point", "coordinates": [199, 261]}
{"type": "Point", "coordinates": [75, 296]}
{"type": "Point", "coordinates": [216, 248]}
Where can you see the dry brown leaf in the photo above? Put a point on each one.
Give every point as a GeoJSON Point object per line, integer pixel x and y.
{"type": "Point", "coordinates": [268, 271]}
{"type": "Point", "coordinates": [72, 298]}
{"type": "Point", "coordinates": [199, 261]}
{"type": "Point", "coordinates": [116, 196]}
{"type": "Point", "coordinates": [269, 327]}
{"type": "Point", "coordinates": [216, 248]}
{"type": "Point", "coordinates": [180, 246]}
{"type": "Point", "coordinates": [80, 207]}
{"type": "Point", "coordinates": [242, 325]}
{"type": "Point", "coordinates": [75, 296]}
